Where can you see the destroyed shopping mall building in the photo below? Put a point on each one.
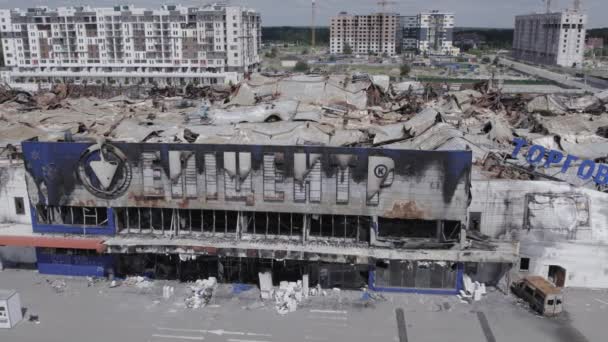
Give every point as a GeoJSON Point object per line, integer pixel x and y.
{"type": "Point", "coordinates": [352, 180]}
{"type": "Point", "coordinates": [395, 216]}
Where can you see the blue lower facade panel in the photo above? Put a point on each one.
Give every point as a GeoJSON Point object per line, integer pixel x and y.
{"type": "Point", "coordinates": [75, 264]}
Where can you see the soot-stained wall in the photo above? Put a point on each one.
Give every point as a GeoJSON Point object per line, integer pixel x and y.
{"type": "Point", "coordinates": [313, 179]}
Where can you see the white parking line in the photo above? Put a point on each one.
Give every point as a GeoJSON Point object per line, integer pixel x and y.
{"type": "Point", "coordinates": [339, 312]}
{"type": "Point", "coordinates": [195, 338]}
{"type": "Point", "coordinates": [218, 332]}
{"type": "Point", "coordinates": [331, 318]}
{"type": "Point", "coordinates": [327, 324]}
{"type": "Point", "coordinates": [313, 338]}
{"type": "Point", "coordinates": [601, 301]}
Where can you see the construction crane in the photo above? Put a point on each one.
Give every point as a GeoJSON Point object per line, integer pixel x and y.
{"type": "Point", "coordinates": [548, 4]}
{"type": "Point", "coordinates": [312, 23]}
{"type": "Point", "coordinates": [385, 3]}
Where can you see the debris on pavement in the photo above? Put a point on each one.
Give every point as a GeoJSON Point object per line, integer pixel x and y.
{"type": "Point", "coordinates": [58, 285]}
{"type": "Point", "coordinates": [139, 282]}
{"type": "Point", "coordinates": [202, 292]}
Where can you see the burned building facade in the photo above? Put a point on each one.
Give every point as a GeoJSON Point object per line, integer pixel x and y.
{"type": "Point", "coordinates": [394, 218]}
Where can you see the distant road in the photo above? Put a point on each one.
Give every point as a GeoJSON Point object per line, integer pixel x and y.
{"type": "Point", "coordinates": [563, 79]}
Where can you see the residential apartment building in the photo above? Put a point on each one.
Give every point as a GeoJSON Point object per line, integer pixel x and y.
{"type": "Point", "coordinates": [409, 32]}
{"type": "Point", "coordinates": [428, 32]}
{"type": "Point", "coordinates": [376, 33]}
{"type": "Point", "coordinates": [129, 45]}
{"type": "Point", "coordinates": [551, 38]}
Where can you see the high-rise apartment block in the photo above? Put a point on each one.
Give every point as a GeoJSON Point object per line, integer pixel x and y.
{"type": "Point", "coordinates": [128, 45]}
{"type": "Point", "coordinates": [389, 33]}
{"type": "Point", "coordinates": [428, 32]}
{"type": "Point", "coordinates": [376, 33]}
{"type": "Point", "coordinates": [551, 38]}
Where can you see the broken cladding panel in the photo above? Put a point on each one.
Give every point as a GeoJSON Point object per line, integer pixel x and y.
{"type": "Point", "coordinates": [237, 177]}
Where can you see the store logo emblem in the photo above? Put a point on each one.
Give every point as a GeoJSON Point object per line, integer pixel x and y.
{"type": "Point", "coordinates": [105, 171]}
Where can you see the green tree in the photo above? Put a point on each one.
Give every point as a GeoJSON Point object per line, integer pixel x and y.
{"type": "Point", "coordinates": [301, 66]}
{"type": "Point", "coordinates": [405, 69]}
{"type": "Point", "coordinates": [347, 50]}
{"type": "Point", "coordinates": [273, 53]}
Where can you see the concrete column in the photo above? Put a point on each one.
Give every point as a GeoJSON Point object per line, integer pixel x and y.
{"type": "Point", "coordinates": [305, 229]}
{"type": "Point", "coordinates": [463, 237]}
{"type": "Point", "coordinates": [372, 230]}
{"type": "Point", "coordinates": [439, 231]}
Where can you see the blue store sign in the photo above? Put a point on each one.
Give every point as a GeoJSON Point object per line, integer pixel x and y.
{"type": "Point", "coordinates": [586, 170]}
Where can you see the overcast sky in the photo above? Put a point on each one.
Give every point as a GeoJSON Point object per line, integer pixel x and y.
{"type": "Point", "coordinates": [469, 13]}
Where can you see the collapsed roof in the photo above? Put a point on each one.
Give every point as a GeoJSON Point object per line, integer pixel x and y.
{"type": "Point", "coordinates": [336, 110]}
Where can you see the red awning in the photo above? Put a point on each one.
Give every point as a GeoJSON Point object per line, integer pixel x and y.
{"type": "Point", "coordinates": [53, 242]}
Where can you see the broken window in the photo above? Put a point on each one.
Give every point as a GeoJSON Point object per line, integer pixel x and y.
{"type": "Point", "coordinates": [401, 228]}
{"type": "Point", "coordinates": [307, 177]}
{"type": "Point", "coordinates": [211, 176]}
{"type": "Point", "coordinates": [75, 216]}
{"type": "Point", "coordinates": [339, 227]}
{"type": "Point", "coordinates": [273, 224]}
{"type": "Point", "coordinates": [273, 176]}
{"type": "Point", "coordinates": [152, 174]}
{"type": "Point", "coordinates": [237, 176]}
{"type": "Point", "coordinates": [416, 274]}
{"type": "Point", "coordinates": [475, 221]}
{"type": "Point", "coordinates": [19, 206]}
{"type": "Point", "coordinates": [176, 221]}
{"type": "Point", "coordinates": [182, 168]}
{"type": "Point", "coordinates": [524, 264]}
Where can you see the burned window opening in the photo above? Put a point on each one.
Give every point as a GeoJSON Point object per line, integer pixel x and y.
{"type": "Point", "coordinates": [475, 221]}
{"type": "Point", "coordinates": [524, 264]}
{"type": "Point", "coordinates": [19, 206]}
{"type": "Point", "coordinates": [339, 226]}
{"type": "Point", "coordinates": [417, 274]}
{"type": "Point", "coordinates": [273, 224]}
{"type": "Point", "coordinates": [401, 228]}
{"type": "Point", "coordinates": [176, 221]}
{"type": "Point", "coordinates": [450, 231]}
{"type": "Point", "coordinates": [72, 216]}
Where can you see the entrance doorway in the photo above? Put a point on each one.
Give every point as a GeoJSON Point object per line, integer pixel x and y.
{"type": "Point", "coordinates": [557, 275]}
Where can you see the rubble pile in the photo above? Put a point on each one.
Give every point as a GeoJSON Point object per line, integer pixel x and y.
{"type": "Point", "coordinates": [202, 292]}
{"type": "Point", "coordinates": [473, 291]}
{"type": "Point", "coordinates": [288, 296]}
